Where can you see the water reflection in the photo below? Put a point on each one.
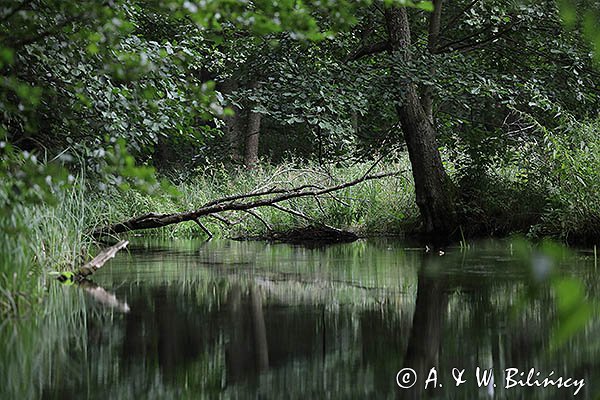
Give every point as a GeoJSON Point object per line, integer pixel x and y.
{"type": "Point", "coordinates": [103, 297]}
{"type": "Point", "coordinates": [253, 320]}
{"type": "Point", "coordinates": [426, 334]}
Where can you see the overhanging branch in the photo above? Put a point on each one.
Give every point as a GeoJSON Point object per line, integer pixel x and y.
{"type": "Point", "coordinates": [369, 49]}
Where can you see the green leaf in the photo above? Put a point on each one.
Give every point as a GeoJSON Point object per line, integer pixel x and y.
{"type": "Point", "coordinates": [66, 278]}
{"type": "Point", "coordinates": [574, 311]}
{"type": "Point", "coordinates": [425, 5]}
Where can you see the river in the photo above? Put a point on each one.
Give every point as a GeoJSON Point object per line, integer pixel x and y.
{"type": "Point", "coordinates": [225, 319]}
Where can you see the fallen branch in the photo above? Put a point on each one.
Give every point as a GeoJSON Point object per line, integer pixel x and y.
{"type": "Point", "coordinates": [261, 219]}
{"type": "Point", "coordinates": [204, 228]}
{"type": "Point", "coordinates": [305, 217]}
{"type": "Point", "coordinates": [101, 259]}
{"type": "Point", "coordinates": [94, 265]}
{"type": "Point", "coordinates": [231, 203]}
{"type": "Point", "coordinates": [221, 219]}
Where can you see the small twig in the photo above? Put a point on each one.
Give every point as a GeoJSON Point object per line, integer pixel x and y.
{"type": "Point", "coordinates": [204, 228]}
{"type": "Point", "coordinates": [342, 202]}
{"type": "Point", "coordinates": [318, 201]}
{"type": "Point", "coordinates": [272, 190]}
{"type": "Point", "coordinates": [303, 216]}
{"type": "Point", "coordinates": [374, 165]}
{"type": "Point", "coordinates": [261, 219]}
{"type": "Point", "coordinates": [293, 212]}
{"type": "Point", "coordinates": [221, 219]}
{"type": "Point", "coordinates": [368, 50]}
{"type": "Point", "coordinates": [473, 46]}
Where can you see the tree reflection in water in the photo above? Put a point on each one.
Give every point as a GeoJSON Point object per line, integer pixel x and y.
{"type": "Point", "coordinates": [243, 320]}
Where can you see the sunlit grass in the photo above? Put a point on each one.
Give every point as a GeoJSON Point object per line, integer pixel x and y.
{"type": "Point", "coordinates": [375, 207]}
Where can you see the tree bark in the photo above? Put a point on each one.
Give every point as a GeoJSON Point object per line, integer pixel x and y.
{"type": "Point", "coordinates": [252, 136]}
{"type": "Point", "coordinates": [233, 123]}
{"type": "Point", "coordinates": [435, 20]}
{"type": "Point", "coordinates": [434, 191]}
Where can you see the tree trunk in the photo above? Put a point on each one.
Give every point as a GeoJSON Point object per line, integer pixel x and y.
{"type": "Point", "coordinates": [432, 186]}
{"type": "Point", "coordinates": [432, 43]}
{"type": "Point", "coordinates": [260, 331]}
{"type": "Point", "coordinates": [434, 192]}
{"type": "Point", "coordinates": [252, 136]}
{"type": "Point", "coordinates": [233, 123]}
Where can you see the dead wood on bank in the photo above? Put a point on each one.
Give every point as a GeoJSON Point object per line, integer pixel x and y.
{"type": "Point", "coordinates": [242, 202]}
{"type": "Point", "coordinates": [101, 259]}
{"type": "Point", "coordinates": [313, 235]}
{"type": "Point", "coordinates": [92, 266]}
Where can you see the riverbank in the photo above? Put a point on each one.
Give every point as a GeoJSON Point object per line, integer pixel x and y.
{"type": "Point", "coordinates": [549, 193]}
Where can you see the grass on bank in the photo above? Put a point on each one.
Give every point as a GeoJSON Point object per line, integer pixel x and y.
{"type": "Point", "coordinates": [382, 206]}
{"type": "Point", "coordinates": [38, 239]}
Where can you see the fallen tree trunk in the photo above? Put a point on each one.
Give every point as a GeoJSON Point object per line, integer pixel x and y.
{"type": "Point", "coordinates": [92, 266]}
{"type": "Point", "coordinates": [313, 235]}
{"type": "Point", "coordinates": [243, 202]}
{"type": "Point", "coordinates": [100, 295]}
{"type": "Point", "coordinates": [101, 259]}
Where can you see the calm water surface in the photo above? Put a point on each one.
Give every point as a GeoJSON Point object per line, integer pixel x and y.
{"type": "Point", "coordinates": [224, 319]}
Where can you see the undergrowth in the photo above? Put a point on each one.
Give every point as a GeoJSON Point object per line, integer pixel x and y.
{"type": "Point", "coordinates": [546, 185]}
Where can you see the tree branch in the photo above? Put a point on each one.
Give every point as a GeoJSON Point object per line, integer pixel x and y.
{"type": "Point", "coordinates": [273, 190]}
{"type": "Point", "coordinates": [96, 263]}
{"type": "Point", "coordinates": [204, 228]}
{"type": "Point", "coordinates": [457, 16]}
{"type": "Point", "coordinates": [303, 216]}
{"type": "Point", "coordinates": [152, 220]}
{"type": "Point", "coordinates": [434, 26]}
{"type": "Point", "coordinates": [221, 219]}
{"type": "Point", "coordinates": [476, 45]}
{"type": "Point", "coordinates": [432, 45]}
{"type": "Point", "coordinates": [261, 219]}
{"type": "Point", "coordinates": [368, 49]}
{"type": "Point", "coordinates": [450, 45]}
